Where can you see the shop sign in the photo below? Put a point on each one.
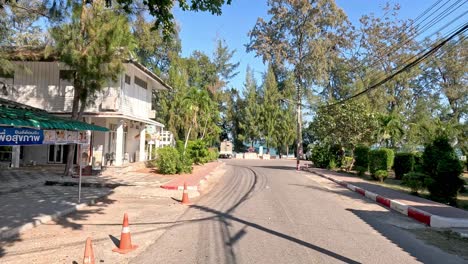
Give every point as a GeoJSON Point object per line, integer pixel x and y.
{"type": "Point", "coordinates": [65, 137]}
{"type": "Point", "coordinates": [20, 136]}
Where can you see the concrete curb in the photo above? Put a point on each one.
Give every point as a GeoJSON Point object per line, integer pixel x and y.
{"type": "Point", "coordinates": [412, 212]}
{"type": "Point", "coordinates": [194, 187]}
{"type": "Point", "coordinates": [46, 218]}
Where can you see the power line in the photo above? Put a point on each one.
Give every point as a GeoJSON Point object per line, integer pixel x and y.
{"type": "Point", "coordinates": [406, 67]}
{"type": "Point", "coordinates": [439, 17]}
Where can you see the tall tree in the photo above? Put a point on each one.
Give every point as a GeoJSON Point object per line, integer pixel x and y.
{"type": "Point", "coordinates": [93, 44]}
{"type": "Point", "coordinates": [153, 50]}
{"type": "Point", "coordinates": [250, 123]}
{"type": "Point", "coordinates": [301, 35]}
{"type": "Point", "coordinates": [270, 109]}
{"type": "Point", "coordinates": [285, 124]}
{"type": "Point", "coordinates": [160, 10]}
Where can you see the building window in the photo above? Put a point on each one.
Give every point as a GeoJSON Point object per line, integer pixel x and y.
{"type": "Point", "coordinates": [66, 75]}
{"type": "Point", "coordinates": [141, 83]}
{"type": "Point", "coordinates": [128, 79]}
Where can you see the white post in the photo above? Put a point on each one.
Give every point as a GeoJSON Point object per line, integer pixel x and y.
{"type": "Point", "coordinates": [119, 144]}
{"type": "Point", "coordinates": [142, 144]}
{"type": "Point", "coordinates": [15, 156]}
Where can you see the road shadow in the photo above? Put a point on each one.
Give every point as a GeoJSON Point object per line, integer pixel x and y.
{"type": "Point", "coordinates": [288, 168]}
{"type": "Point", "coordinates": [400, 237]}
{"type": "Point", "coordinates": [27, 207]}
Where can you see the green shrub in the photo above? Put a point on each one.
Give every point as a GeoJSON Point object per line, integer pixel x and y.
{"type": "Point", "coordinates": [381, 175]}
{"type": "Point", "coordinates": [415, 180]}
{"type": "Point", "coordinates": [403, 163]}
{"type": "Point", "coordinates": [337, 155]}
{"type": "Point", "coordinates": [442, 166]}
{"type": "Point", "coordinates": [167, 160]}
{"type": "Point", "coordinates": [381, 159]}
{"type": "Point", "coordinates": [361, 157]}
{"type": "Point", "coordinates": [184, 165]}
{"type": "Point", "coordinates": [198, 151]}
{"type": "Point", "coordinates": [320, 156]}
{"type": "Point", "coordinates": [213, 154]}
{"type": "Point", "coordinates": [361, 171]}
{"type": "Point", "coordinates": [418, 162]}
{"type": "Point", "coordinates": [331, 164]}
{"type": "Point", "coordinates": [347, 163]}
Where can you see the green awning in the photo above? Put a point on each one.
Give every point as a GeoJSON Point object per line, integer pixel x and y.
{"type": "Point", "coordinates": [17, 115]}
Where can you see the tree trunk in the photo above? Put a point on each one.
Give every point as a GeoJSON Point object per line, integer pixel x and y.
{"type": "Point", "coordinates": [76, 113]}
{"type": "Point", "coordinates": [187, 138]}
{"type": "Point", "coordinates": [204, 129]}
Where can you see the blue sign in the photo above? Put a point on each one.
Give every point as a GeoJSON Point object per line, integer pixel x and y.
{"type": "Point", "coordinates": [20, 136]}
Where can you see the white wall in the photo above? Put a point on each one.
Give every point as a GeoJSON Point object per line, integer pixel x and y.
{"type": "Point", "coordinates": [136, 101]}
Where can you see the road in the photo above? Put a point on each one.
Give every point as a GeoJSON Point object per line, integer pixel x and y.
{"type": "Point", "coordinates": [266, 212]}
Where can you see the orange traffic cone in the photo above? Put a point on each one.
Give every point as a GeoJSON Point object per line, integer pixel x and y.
{"type": "Point", "coordinates": [125, 245]}
{"type": "Point", "coordinates": [185, 199]}
{"type": "Point", "coordinates": [88, 253]}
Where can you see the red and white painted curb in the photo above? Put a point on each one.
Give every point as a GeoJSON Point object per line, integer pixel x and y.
{"type": "Point", "coordinates": [193, 187]}
{"type": "Point", "coordinates": [417, 214]}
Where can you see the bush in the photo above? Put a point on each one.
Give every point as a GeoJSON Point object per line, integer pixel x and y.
{"type": "Point", "coordinates": [320, 156]}
{"type": "Point", "coordinates": [418, 162]}
{"type": "Point", "coordinates": [403, 163]}
{"type": "Point", "coordinates": [198, 151]}
{"type": "Point", "coordinates": [442, 166]}
{"type": "Point", "coordinates": [331, 164]}
{"type": "Point", "coordinates": [347, 163]}
{"type": "Point", "coordinates": [381, 159]}
{"type": "Point", "coordinates": [167, 160]}
{"type": "Point", "coordinates": [184, 165]}
{"type": "Point", "coordinates": [381, 175]}
{"type": "Point", "coordinates": [213, 154]}
{"type": "Point", "coordinates": [361, 171]}
{"type": "Point", "coordinates": [361, 157]}
{"type": "Point", "coordinates": [415, 180]}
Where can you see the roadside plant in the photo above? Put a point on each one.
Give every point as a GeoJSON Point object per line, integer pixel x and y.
{"type": "Point", "coordinates": [403, 163]}
{"type": "Point", "coordinates": [381, 175]}
{"type": "Point", "coordinates": [167, 160]}
{"type": "Point", "coordinates": [361, 171]}
{"type": "Point", "coordinates": [416, 181]}
{"type": "Point", "coordinates": [442, 166]}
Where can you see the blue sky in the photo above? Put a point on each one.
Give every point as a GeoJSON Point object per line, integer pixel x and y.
{"type": "Point", "coordinates": [199, 31]}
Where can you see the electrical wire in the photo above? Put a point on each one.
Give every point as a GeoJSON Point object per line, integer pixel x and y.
{"type": "Point", "coordinates": [406, 67]}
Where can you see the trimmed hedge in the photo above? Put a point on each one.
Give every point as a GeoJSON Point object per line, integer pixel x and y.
{"type": "Point", "coordinates": [442, 166]}
{"type": "Point", "coordinates": [381, 159]}
{"type": "Point", "coordinates": [415, 180]}
{"type": "Point", "coordinates": [361, 157]}
{"type": "Point", "coordinates": [403, 163]}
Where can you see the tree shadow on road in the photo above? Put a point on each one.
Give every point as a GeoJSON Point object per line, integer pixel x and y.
{"type": "Point", "coordinates": [21, 208]}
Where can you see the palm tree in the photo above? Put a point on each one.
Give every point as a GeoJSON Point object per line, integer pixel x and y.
{"type": "Point", "coordinates": [391, 130]}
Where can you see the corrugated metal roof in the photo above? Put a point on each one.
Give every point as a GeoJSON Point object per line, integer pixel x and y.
{"type": "Point", "coordinates": [19, 115]}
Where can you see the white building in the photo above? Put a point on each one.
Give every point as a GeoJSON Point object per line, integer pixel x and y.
{"type": "Point", "coordinates": [124, 107]}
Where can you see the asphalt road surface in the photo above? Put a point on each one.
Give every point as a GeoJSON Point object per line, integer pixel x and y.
{"type": "Point", "coordinates": [266, 212]}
